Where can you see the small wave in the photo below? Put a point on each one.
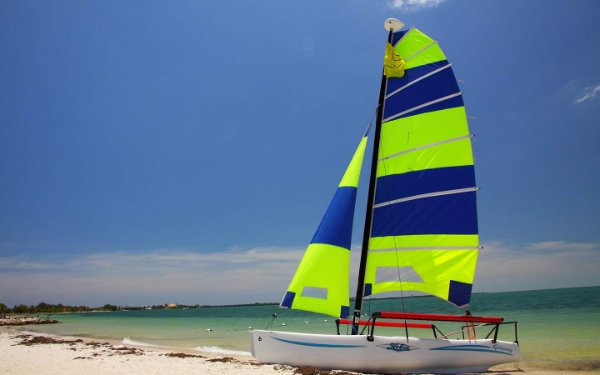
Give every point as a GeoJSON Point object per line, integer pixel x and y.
{"type": "Point", "coordinates": [217, 350]}
{"type": "Point", "coordinates": [129, 341]}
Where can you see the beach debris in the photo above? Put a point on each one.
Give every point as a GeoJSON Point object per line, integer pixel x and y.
{"type": "Point", "coordinates": [122, 350]}
{"type": "Point", "coordinates": [307, 370]}
{"type": "Point", "coordinates": [92, 356]}
{"type": "Point", "coordinates": [223, 359]}
{"type": "Point", "coordinates": [182, 355]}
{"type": "Point", "coordinates": [97, 344]}
{"type": "Point", "coordinates": [29, 340]}
{"type": "Point", "coordinates": [209, 330]}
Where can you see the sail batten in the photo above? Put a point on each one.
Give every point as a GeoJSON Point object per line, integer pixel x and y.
{"type": "Point", "coordinates": [424, 196]}
{"type": "Point", "coordinates": [449, 104]}
{"type": "Point", "coordinates": [417, 80]}
{"type": "Point", "coordinates": [424, 147]}
{"type": "Point", "coordinates": [426, 248]}
{"type": "Point", "coordinates": [424, 49]}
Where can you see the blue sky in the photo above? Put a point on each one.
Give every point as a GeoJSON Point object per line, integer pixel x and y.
{"type": "Point", "coordinates": [153, 152]}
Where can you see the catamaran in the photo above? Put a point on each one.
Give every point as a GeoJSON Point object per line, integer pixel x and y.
{"type": "Point", "coordinates": [420, 222]}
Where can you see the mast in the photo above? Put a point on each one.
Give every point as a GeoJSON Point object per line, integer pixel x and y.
{"type": "Point", "coordinates": [390, 24]}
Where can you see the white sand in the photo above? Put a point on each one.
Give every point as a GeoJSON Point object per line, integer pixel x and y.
{"type": "Point", "coordinates": [84, 358]}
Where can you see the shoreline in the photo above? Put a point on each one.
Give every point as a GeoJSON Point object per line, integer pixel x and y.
{"type": "Point", "coordinates": [29, 352]}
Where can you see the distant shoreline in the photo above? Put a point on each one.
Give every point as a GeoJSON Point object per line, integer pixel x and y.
{"type": "Point", "coordinates": [109, 307]}
{"type": "Point", "coordinates": [24, 320]}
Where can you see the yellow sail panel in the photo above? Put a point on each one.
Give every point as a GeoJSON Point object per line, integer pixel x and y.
{"type": "Point", "coordinates": [424, 241]}
{"type": "Point", "coordinates": [435, 270]}
{"type": "Point", "coordinates": [422, 130]}
{"type": "Point", "coordinates": [352, 174]}
{"type": "Point", "coordinates": [418, 49]}
{"type": "Point", "coordinates": [453, 153]}
{"type": "Point", "coordinates": [321, 282]}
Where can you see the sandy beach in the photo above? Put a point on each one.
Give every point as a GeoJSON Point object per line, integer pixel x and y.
{"type": "Point", "coordinates": [23, 352]}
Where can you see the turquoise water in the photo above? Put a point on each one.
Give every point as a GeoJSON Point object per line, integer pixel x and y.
{"type": "Point", "coordinates": [558, 328]}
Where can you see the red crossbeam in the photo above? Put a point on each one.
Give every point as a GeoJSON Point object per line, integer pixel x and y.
{"type": "Point", "coordinates": [388, 324]}
{"type": "Point", "coordinates": [442, 317]}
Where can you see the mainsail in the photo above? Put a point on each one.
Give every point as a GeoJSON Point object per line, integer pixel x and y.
{"type": "Point", "coordinates": [321, 283]}
{"type": "Point", "coordinates": [424, 234]}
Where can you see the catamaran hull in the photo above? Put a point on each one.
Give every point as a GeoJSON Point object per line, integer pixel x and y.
{"type": "Point", "coordinates": [385, 354]}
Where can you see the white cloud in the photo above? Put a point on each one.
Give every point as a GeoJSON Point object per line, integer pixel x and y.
{"type": "Point", "coordinates": [233, 276]}
{"type": "Point", "coordinates": [414, 5]}
{"type": "Point", "coordinates": [541, 265]}
{"type": "Point", "coordinates": [589, 93]}
{"type": "Point", "coordinates": [258, 274]}
{"type": "Point", "coordinates": [562, 246]}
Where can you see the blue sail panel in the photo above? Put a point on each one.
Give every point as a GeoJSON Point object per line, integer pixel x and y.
{"type": "Point", "coordinates": [336, 225]}
{"type": "Point", "coordinates": [430, 89]}
{"type": "Point", "coordinates": [411, 75]}
{"type": "Point", "coordinates": [446, 214]}
{"type": "Point", "coordinates": [399, 186]}
{"type": "Point", "coordinates": [398, 35]}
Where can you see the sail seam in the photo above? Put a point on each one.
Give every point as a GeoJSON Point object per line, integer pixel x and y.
{"type": "Point", "coordinates": [421, 51]}
{"type": "Point", "coordinates": [422, 106]}
{"type": "Point", "coordinates": [425, 248]}
{"type": "Point", "coordinates": [425, 147]}
{"type": "Point", "coordinates": [403, 36]}
{"type": "Point", "coordinates": [418, 79]}
{"type": "Point", "coordinates": [427, 195]}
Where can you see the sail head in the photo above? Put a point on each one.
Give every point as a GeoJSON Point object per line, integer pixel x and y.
{"type": "Point", "coordinates": [321, 282]}
{"type": "Point", "coordinates": [424, 213]}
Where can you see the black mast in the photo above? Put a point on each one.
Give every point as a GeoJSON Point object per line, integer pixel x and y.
{"type": "Point", "coordinates": [371, 197]}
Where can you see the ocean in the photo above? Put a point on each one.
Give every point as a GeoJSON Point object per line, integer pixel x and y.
{"type": "Point", "coordinates": [558, 329]}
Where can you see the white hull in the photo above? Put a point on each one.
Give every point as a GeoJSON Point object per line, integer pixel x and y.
{"type": "Point", "coordinates": [385, 354]}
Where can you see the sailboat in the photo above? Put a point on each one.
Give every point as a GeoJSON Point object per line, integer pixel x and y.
{"type": "Point", "coordinates": [420, 224]}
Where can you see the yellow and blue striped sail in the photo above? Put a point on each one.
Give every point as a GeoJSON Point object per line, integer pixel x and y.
{"type": "Point", "coordinates": [424, 234]}
{"type": "Point", "coordinates": [321, 283]}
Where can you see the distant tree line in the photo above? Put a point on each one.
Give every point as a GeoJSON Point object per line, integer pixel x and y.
{"type": "Point", "coordinates": [47, 308]}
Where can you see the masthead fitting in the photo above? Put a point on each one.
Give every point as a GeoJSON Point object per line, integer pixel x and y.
{"type": "Point", "coordinates": [393, 24]}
